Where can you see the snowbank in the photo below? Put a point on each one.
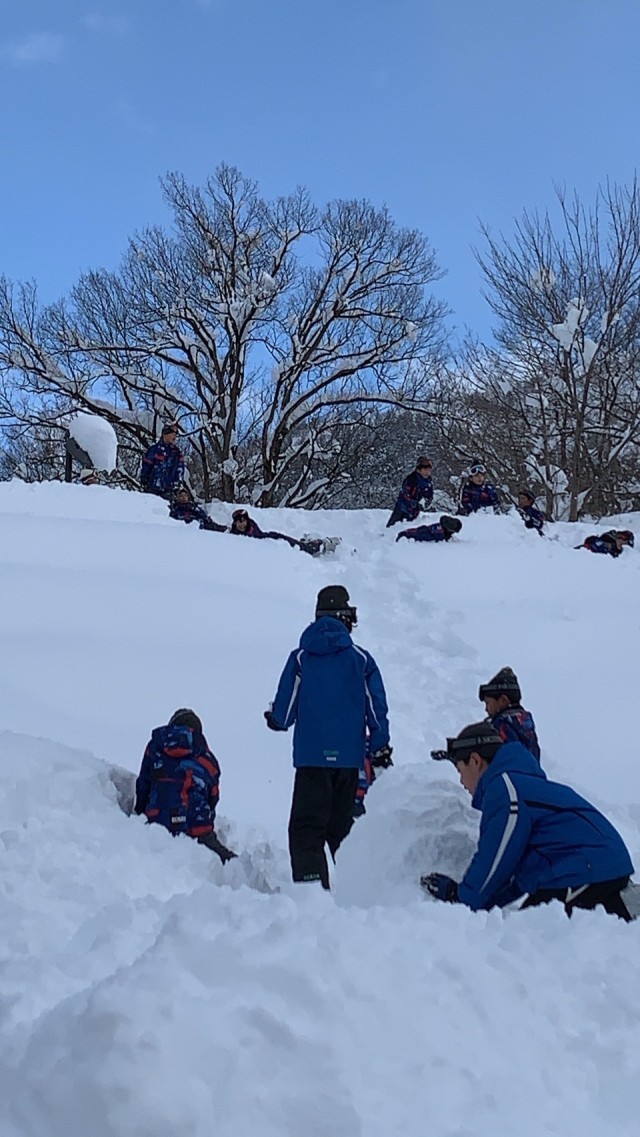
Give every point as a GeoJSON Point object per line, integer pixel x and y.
{"type": "Point", "coordinates": [146, 989]}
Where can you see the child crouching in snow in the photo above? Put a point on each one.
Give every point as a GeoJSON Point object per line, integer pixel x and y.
{"type": "Point", "coordinates": [178, 782]}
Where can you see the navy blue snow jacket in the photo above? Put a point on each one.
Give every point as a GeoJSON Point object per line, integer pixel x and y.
{"type": "Point", "coordinates": [475, 497]}
{"type": "Point", "coordinates": [602, 543]}
{"type": "Point", "coordinates": [162, 468]}
{"type": "Point", "coordinates": [425, 533]}
{"type": "Point", "coordinates": [416, 494]}
{"type": "Point", "coordinates": [188, 511]}
{"type": "Point", "coordinates": [333, 691]}
{"type": "Point", "coordinates": [536, 834]}
{"type": "Point", "coordinates": [533, 518]}
{"type": "Point", "coordinates": [516, 725]}
{"type": "Point", "coordinates": [178, 781]}
{"type": "Point", "coordinates": [254, 530]}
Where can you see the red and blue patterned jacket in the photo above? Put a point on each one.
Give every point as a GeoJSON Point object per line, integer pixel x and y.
{"type": "Point", "coordinates": [516, 725]}
{"type": "Point", "coordinates": [162, 468]}
{"type": "Point", "coordinates": [416, 494]}
{"type": "Point", "coordinates": [178, 783]}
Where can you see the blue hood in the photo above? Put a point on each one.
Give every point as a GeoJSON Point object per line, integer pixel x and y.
{"type": "Point", "coordinates": [325, 636]}
{"type": "Point", "coordinates": [512, 758]}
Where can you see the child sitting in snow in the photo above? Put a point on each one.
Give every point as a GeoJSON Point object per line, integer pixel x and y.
{"type": "Point", "coordinates": [501, 697]}
{"type": "Point", "coordinates": [533, 518]}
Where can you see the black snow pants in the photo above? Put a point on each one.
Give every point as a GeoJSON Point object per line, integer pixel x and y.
{"type": "Point", "coordinates": [321, 813]}
{"type": "Point", "coordinates": [606, 893]}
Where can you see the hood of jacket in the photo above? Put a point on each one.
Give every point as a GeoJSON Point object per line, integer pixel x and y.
{"type": "Point", "coordinates": [325, 636]}
{"type": "Point", "coordinates": [177, 741]}
{"type": "Point", "coordinates": [512, 758]}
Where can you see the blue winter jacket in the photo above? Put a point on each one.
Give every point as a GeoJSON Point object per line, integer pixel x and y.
{"type": "Point", "coordinates": [178, 781]}
{"type": "Point", "coordinates": [254, 530]}
{"type": "Point", "coordinates": [416, 493]}
{"type": "Point", "coordinates": [516, 725]}
{"type": "Point", "coordinates": [533, 518]}
{"type": "Point", "coordinates": [603, 543]}
{"type": "Point", "coordinates": [188, 511]}
{"type": "Point", "coordinates": [536, 834]}
{"type": "Point", "coordinates": [475, 497]}
{"type": "Point", "coordinates": [333, 691]}
{"type": "Point", "coordinates": [425, 533]}
{"type": "Point", "coordinates": [162, 468]}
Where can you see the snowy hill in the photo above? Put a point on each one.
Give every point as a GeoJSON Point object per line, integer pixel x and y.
{"type": "Point", "coordinates": [148, 991]}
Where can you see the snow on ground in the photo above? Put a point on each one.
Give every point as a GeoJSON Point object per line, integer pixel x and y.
{"type": "Point", "coordinates": [146, 990]}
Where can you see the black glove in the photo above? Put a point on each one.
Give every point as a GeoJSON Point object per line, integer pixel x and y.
{"type": "Point", "coordinates": [381, 759]}
{"type": "Point", "coordinates": [439, 755]}
{"type": "Point", "coordinates": [271, 722]}
{"type": "Point", "coordinates": [441, 887]}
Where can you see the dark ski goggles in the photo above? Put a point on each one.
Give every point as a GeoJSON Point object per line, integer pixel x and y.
{"type": "Point", "coordinates": [461, 749]}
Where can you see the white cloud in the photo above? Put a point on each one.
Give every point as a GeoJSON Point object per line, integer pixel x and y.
{"type": "Point", "coordinates": [40, 47]}
{"type": "Point", "coordinates": [97, 21]}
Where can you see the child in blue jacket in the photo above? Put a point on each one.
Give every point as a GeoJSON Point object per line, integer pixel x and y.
{"type": "Point", "coordinates": [332, 693]}
{"type": "Point", "coordinates": [163, 464]}
{"type": "Point", "coordinates": [539, 840]}
{"type": "Point", "coordinates": [416, 493]}
{"type": "Point", "coordinates": [477, 492]}
{"type": "Point", "coordinates": [612, 543]}
{"type": "Point", "coordinates": [244, 526]}
{"type": "Point", "coordinates": [443, 530]}
{"type": "Point", "coordinates": [184, 508]}
{"type": "Point", "coordinates": [501, 697]}
{"type": "Point", "coordinates": [533, 518]}
{"type": "Point", "coordinates": [178, 783]}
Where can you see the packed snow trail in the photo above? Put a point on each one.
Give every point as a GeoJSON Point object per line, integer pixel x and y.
{"type": "Point", "coordinates": [145, 989]}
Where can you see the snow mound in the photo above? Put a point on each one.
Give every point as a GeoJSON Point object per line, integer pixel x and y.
{"type": "Point", "coordinates": [147, 990]}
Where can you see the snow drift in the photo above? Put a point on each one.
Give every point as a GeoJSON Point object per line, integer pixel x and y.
{"type": "Point", "coordinates": [146, 989]}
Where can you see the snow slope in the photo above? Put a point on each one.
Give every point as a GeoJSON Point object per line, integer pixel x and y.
{"type": "Point", "coordinates": [146, 990]}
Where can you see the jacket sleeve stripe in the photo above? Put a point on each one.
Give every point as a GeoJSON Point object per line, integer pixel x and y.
{"type": "Point", "coordinates": [366, 687]}
{"type": "Point", "coordinates": [512, 821]}
{"type": "Point", "coordinates": [294, 692]}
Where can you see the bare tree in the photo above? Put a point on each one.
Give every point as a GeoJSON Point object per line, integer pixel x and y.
{"type": "Point", "coordinates": [258, 325]}
{"type": "Point", "coordinates": [565, 377]}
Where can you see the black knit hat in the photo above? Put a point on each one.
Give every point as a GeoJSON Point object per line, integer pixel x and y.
{"type": "Point", "coordinates": [423, 461]}
{"type": "Point", "coordinates": [504, 683]}
{"type": "Point", "coordinates": [527, 493]}
{"type": "Point", "coordinates": [450, 525]}
{"type": "Point", "coordinates": [334, 601]}
{"type": "Point", "coordinates": [479, 737]}
{"type": "Point", "coordinates": [186, 717]}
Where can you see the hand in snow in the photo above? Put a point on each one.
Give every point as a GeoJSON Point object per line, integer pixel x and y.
{"type": "Point", "coordinates": [441, 887]}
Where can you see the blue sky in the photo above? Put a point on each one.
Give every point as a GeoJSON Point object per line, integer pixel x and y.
{"type": "Point", "coordinates": [446, 110]}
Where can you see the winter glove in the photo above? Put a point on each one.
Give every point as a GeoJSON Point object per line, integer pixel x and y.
{"type": "Point", "coordinates": [381, 759]}
{"type": "Point", "coordinates": [271, 722]}
{"type": "Point", "coordinates": [441, 887]}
